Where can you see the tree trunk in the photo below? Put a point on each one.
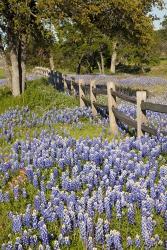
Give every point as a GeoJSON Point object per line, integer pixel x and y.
{"type": "Point", "coordinates": [15, 72]}
{"type": "Point", "coordinates": [21, 63]}
{"type": "Point", "coordinates": [113, 58]}
{"type": "Point", "coordinates": [51, 61]}
{"type": "Point", "coordinates": [102, 62]}
{"type": "Point", "coordinates": [78, 70]}
{"type": "Point", "coordinates": [99, 66]}
{"type": "Point", "coordinates": [89, 66]}
{"type": "Point", "coordinates": [23, 84]}
{"type": "Point", "coordinates": [8, 73]}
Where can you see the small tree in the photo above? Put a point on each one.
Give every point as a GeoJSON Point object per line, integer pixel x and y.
{"type": "Point", "coordinates": [20, 21]}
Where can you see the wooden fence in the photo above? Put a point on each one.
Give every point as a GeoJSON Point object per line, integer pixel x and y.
{"type": "Point", "coordinates": [113, 92]}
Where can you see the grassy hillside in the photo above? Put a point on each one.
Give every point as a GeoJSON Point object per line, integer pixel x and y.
{"type": "Point", "coordinates": [159, 70]}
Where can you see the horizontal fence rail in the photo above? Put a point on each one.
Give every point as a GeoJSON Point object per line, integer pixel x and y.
{"type": "Point", "coordinates": [124, 97]}
{"type": "Point", "coordinates": [124, 118]}
{"type": "Point", "coordinates": [154, 107]}
{"type": "Point", "coordinates": [93, 89]}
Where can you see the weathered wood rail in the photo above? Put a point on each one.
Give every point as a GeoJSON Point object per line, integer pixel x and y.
{"type": "Point", "coordinates": [113, 92]}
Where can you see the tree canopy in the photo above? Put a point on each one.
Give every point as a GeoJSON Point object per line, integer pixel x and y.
{"type": "Point", "coordinates": [85, 25]}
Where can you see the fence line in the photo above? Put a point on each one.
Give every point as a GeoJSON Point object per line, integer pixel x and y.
{"type": "Point", "coordinates": [81, 89]}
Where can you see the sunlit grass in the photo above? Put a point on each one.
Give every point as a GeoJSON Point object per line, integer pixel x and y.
{"type": "Point", "coordinates": [2, 73]}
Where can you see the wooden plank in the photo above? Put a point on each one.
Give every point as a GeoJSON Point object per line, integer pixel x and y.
{"type": "Point", "coordinates": [132, 123]}
{"type": "Point", "coordinates": [141, 115]}
{"type": "Point", "coordinates": [93, 97]}
{"type": "Point", "coordinates": [99, 91]}
{"type": "Point", "coordinates": [148, 130]}
{"type": "Point", "coordinates": [98, 105]}
{"type": "Point", "coordinates": [86, 88]}
{"type": "Point", "coordinates": [112, 103]}
{"type": "Point", "coordinates": [86, 101]}
{"type": "Point", "coordinates": [126, 90]}
{"type": "Point", "coordinates": [65, 83]}
{"type": "Point", "coordinates": [81, 94]}
{"type": "Point", "coordinates": [124, 97]}
{"type": "Point", "coordinates": [154, 107]}
{"type": "Point", "coordinates": [124, 118]}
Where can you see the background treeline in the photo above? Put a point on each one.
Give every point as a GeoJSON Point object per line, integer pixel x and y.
{"type": "Point", "coordinates": [75, 51]}
{"type": "Point", "coordinates": [79, 36]}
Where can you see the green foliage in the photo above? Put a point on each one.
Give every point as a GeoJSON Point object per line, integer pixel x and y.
{"type": "Point", "coordinates": [39, 96]}
{"type": "Point", "coordinates": [85, 28]}
{"type": "Point", "coordinates": [161, 39]}
{"type": "Point", "coordinates": [77, 50]}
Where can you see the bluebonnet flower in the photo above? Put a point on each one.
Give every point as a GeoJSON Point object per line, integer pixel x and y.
{"type": "Point", "coordinates": [90, 243]}
{"type": "Point", "coordinates": [117, 240]}
{"type": "Point", "coordinates": [106, 182]}
{"type": "Point", "coordinates": [34, 219]}
{"type": "Point", "coordinates": [17, 223]}
{"type": "Point", "coordinates": [99, 231]}
{"type": "Point", "coordinates": [40, 247]}
{"type": "Point", "coordinates": [129, 241]}
{"type": "Point", "coordinates": [37, 202]}
{"type": "Point", "coordinates": [67, 241]}
{"type": "Point", "coordinates": [16, 192]}
{"type": "Point", "coordinates": [137, 241]}
{"type": "Point", "coordinates": [20, 247]}
{"type": "Point", "coordinates": [25, 238]}
{"type": "Point", "coordinates": [108, 207]}
{"type": "Point", "coordinates": [47, 247]}
{"type": "Point", "coordinates": [83, 230]}
{"type": "Point", "coordinates": [27, 216]}
{"type": "Point", "coordinates": [106, 226]}
{"type": "Point", "coordinates": [44, 234]}
{"type": "Point", "coordinates": [35, 181]}
{"type": "Point", "coordinates": [56, 245]}
{"type": "Point", "coordinates": [1, 196]}
{"type": "Point", "coordinates": [6, 197]}
{"type": "Point", "coordinates": [24, 193]}
{"type": "Point", "coordinates": [165, 218]}
{"type": "Point", "coordinates": [131, 214]}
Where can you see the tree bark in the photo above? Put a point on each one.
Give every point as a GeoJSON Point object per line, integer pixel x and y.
{"type": "Point", "coordinates": [89, 66]}
{"type": "Point", "coordinates": [23, 84]}
{"type": "Point", "coordinates": [51, 62]}
{"type": "Point", "coordinates": [99, 66]}
{"type": "Point", "coordinates": [78, 70]}
{"type": "Point", "coordinates": [102, 62]}
{"type": "Point", "coordinates": [21, 64]}
{"type": "Point", "coordinates": [113, 58]}
{"type": "Point", "coordinates": [8, 73]}
{"type": "Point", "coordinates": [15, 72]}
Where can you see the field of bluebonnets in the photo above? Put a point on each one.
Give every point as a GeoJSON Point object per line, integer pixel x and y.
{"type": "Point", "coordinates": [65, 183]}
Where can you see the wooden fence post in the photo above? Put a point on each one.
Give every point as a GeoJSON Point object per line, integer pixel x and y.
{"type": "Point", "coordinates": [111, 104]}
{"type": "Point", "coordinates": [93, 97]}
{"type": "Point", "coordinates": [65, 83]}
{"type": "Point", "coordinates": [141, 115]}
{"type": "Point", "coordinates": [72, 87]}
{"type": "Point", "coordinates": [81, 94]}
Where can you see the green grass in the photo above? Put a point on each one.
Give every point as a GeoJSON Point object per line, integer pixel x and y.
{"type": "Point", "coordinates": [39, 97]}
{"type": "Point", "coordinates": [2, 73]}
{"type": "Point", "coordinates": [159, 70]}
